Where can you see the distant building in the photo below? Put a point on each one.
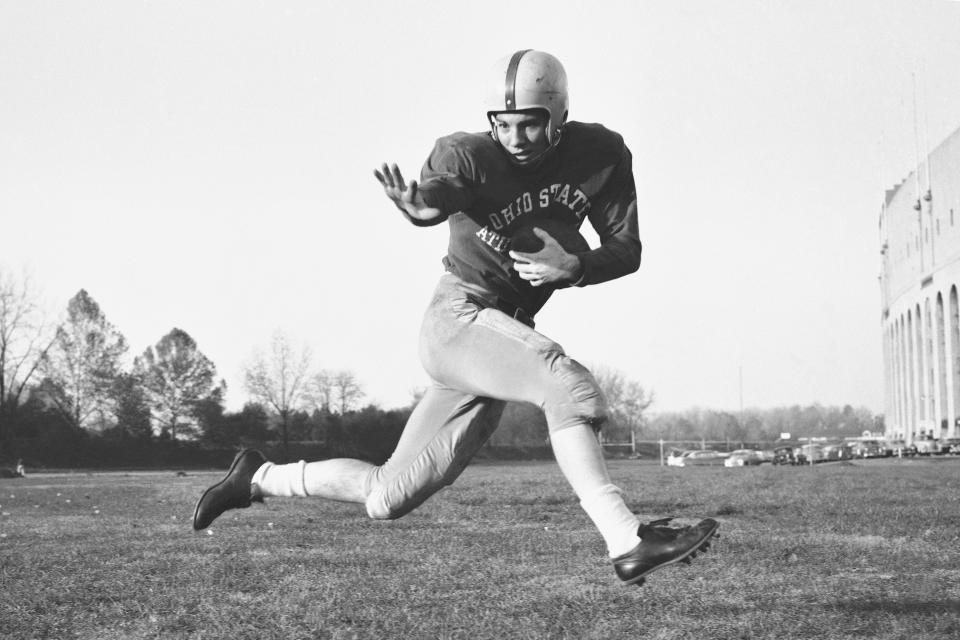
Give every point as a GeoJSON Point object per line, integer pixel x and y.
{"type": "Point", "coordinates": [919, 277]}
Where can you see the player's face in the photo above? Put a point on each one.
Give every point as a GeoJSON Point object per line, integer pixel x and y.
{"type": "Point", "coordinates": [523, 134]}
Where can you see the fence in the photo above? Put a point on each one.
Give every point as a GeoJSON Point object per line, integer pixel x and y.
{"type": "Point", "coordinates": [659, 449]}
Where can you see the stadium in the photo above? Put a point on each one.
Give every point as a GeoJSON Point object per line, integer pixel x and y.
{"type": "Point", "coordinates": [919, 276]}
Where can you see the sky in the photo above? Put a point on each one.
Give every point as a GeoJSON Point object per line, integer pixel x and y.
{"type": "Point", "coordinates": [208, 166]}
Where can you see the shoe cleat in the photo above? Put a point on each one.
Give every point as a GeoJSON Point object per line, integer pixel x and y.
{"type": "Point", "coordinates": [661, 546]}
{"type": "Point", "coordinates": [232, 492]}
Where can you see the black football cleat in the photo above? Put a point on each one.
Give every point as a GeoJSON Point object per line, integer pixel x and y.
{"type": "Point", "coordinates": [233, 492]}
{"type": "Point", "coordinates": [661, 546]}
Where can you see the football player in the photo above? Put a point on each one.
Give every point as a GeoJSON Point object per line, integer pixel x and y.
{"type": "Point", "coordinates": [514, 198]}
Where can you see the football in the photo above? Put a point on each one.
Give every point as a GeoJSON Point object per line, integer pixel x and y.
{"type": "Point", "coordinates": [566, 235]}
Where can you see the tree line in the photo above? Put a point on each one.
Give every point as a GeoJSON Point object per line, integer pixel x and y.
{"type": "Point", "coordinates": [62, 382]}
{"type": "Point", "coordinates": [69, 379]}
{"type": "Point", "coordinates": [764, 425]}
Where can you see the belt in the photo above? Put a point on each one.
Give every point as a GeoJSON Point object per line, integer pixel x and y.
{"type": "Point", "coordinates": [517, 313]}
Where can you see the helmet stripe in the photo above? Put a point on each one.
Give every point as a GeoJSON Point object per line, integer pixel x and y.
{"type": "Point", "coordinates": [510, 100]}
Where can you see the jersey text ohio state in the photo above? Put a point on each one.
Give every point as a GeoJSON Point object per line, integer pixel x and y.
{"type": "Point", "coordinates": [571, 197]}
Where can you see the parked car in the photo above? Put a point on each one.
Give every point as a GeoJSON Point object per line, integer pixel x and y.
{"type": "Point", "coordinates": [786, 455]}
{"type": "Point", "coordinates": [926, 445]}
{"type": "Point", "coordinates": [811, 453]}
{"type": "Point", "coordinates": [901, 448]}
{"type": "Point", "coordinates": [837, 451]}
{"type": "Point", "coordinates": [950, 446]}
{"type": "Point", "coordinates": [743, 458]}
{"type": "Point", "coordinates": [676, 455]}
{"type": "Point", "coordinates": [868, 449]}
{"type": "Point", "coordinates": [704, 457]}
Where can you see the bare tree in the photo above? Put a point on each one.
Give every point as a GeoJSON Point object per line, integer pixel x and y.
{"type": "Point", "coordinates": [278, 379]}
{"type": "Point", "coordinates": [177, 378]}
{"type": "Point", "coordinates": [321, 391]}
{"type": "Point", "coordinates": [25, 337]}
{"type": "Point", "coordinates": [416, 395]}
{"type": "Point", "coordinates": [328, 387]}
{"type": "Point", "coordinates": [83, 362]}
{"type": "Point", "coordinates": [626, 399]}
{"type": "Point", "coordinates": [349, 391]}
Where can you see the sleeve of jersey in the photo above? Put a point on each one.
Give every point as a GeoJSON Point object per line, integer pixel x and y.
{"type": "Point", "coordinates": [446, 180]}
{"type": "Point", "coordinates": [614, 217]}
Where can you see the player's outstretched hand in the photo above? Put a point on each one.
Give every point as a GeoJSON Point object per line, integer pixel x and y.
{"type": "Point", "coordinates": [405, 196]}
{"type": "Point", "coordinates": [552, 265]}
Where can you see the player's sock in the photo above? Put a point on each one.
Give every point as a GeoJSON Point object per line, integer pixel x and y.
{"type": "Point", "coordinates": [616, 523]}
{"type": "Point", "coordinates": [581, 460]}
{"type": "Point", "coordinates": [340, 479]}
{"type": "Point", "coordinates": [279, 480]}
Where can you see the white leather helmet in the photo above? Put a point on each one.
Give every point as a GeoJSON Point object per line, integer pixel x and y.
{"type": "Point", "coordinates": [530, 79]}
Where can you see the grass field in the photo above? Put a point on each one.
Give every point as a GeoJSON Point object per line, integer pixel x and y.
{"type": "Point", "coordinates": [843, 550]}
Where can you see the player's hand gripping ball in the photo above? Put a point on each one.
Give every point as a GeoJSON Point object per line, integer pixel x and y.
{"type": "Point", "coordinates": [548, 259]}
{"type": "Point", "coordinates": [566, 235]}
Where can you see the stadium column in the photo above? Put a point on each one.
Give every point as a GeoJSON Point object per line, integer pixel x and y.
{"type": "Point", "coordinates": [890, 335]}
{"type": "Point", "coordinates": [953, 359]}
{"type": "Point", "coordinates": [923, 363]}
{"type": "Point", "coordinates": [896, 361]}
{"type": "Point", "coordinates": [916, 371]}
{"type": "Point", "coordinates": [943, 371]}
{"type": "Point", "coordinates": [904, 377]}
{"type": "Point", "coordinates": [901, 375]}
{"type": "Point", "coordinates": [931, 353]}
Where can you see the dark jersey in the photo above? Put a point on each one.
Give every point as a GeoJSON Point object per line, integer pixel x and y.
{"type": "Point", "coordinates": [487, 198]}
